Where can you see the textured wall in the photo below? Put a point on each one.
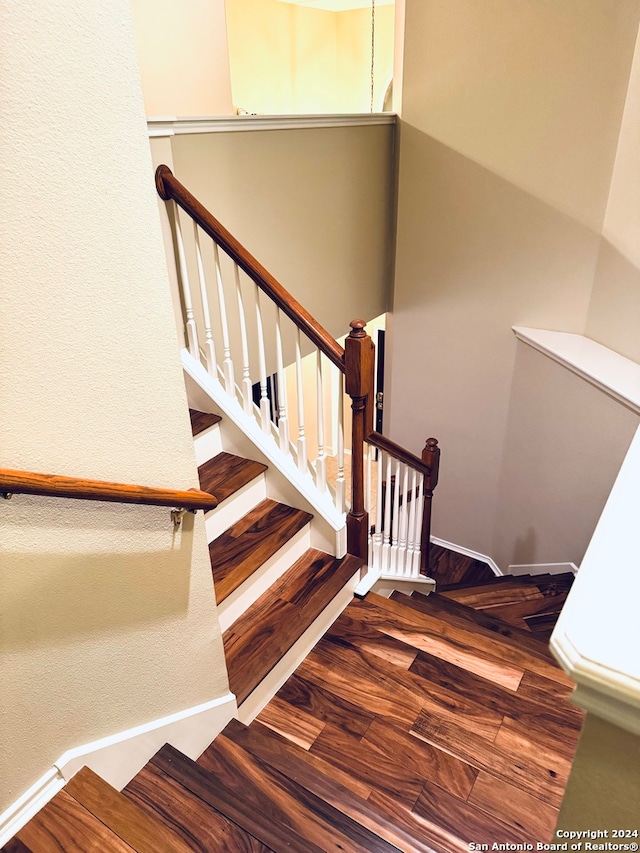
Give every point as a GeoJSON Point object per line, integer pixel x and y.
{"type": "Point", "coordinates": [511, 115]}
{"type": "Point", "coordinates": [314, 206]}
{"type": "Point", "coordinates": [614, 311]}
{"type": "Point", "coordinates": [107, 618]}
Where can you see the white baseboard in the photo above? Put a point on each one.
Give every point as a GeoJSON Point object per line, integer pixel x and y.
{"type": "Point", "coordinates": [542, 568]}
{"type": "Point", "coordinates": [29, 804]}
{"type": "Point", "coordinates": [117, 758]}
{"type": "Point", "coordinates": [475, 555]}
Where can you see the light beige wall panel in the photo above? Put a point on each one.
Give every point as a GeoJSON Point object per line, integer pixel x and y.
{"type": "Point", "coordinates": [354, 57]}
{"type": "Point", "coordinates": [614, 313]}
{"type": "Point", "coordinates": [313, 206]}
{"type": "Point", "coordinates": [268, 44]}
{"type": "Point", "coordinates": [183, 56]}
{"type": "Point", "coordinates": [604, 785]}
{"type": "Point", "coordinates": [475, 255]}
{"type": "Point", "coordinates": [614, 310]}
{"type": "Point", "coordinates": [511, 114]}
{"type": "Point", "coordinates": [531, 90]}
{"type": "Point", "coordinates": [108, 618]}
{"type": "Point", "coordinates": [564, 444]}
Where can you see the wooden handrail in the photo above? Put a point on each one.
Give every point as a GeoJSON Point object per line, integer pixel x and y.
{"type": "Point", "coordinates": [56, 486]}
{"type": "Point", "coordinates": [398, 452]}
{"type": "Point", "coordinates": [169, 187]}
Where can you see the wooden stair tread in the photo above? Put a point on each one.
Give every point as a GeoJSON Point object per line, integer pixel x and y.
{"type": "Point", "coordinates": [251, 541]}
{"type": "Point", "coordinates": [264, 633]}
{"type": "Point", "coordinates": [221, 793]}
{"type": "Point", "coordinates": [263, 787]}
{"type": "Point", "coordinates": [202, 420]}
{"type": "Point", "coordinates": [199, 825]}
{"type": "Point", "coordinates": [122, 816]}
{"type": "Point", "coordinates": [225, 474]}
{"type": "Point", "coordinates": [321, 779]}
{"type": "Point", "coordinates": [460, 614]}
{"type": "Point", "coordinates": [66, 826]}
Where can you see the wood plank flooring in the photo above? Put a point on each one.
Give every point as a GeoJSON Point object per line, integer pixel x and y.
{"type": "Point", "coordinates": [450, 750]}
{"type": "Point", "coordinates": [260, 637]}
{"type": "Point", "coordinates": [416, 724]}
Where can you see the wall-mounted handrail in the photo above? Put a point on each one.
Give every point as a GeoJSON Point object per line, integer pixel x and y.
{"type": "Point", "coordinates": [169, 187]}
{"type": "Point", "coordinates": [57, 486]}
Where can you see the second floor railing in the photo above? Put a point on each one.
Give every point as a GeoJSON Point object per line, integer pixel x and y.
{"type": "Point", "coordinates": [291, 377]}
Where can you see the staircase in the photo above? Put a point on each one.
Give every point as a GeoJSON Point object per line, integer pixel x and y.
{"type": "Point", "coordinates": [416, 723]}
{"type": "Point", "coordinates": [271, 586]}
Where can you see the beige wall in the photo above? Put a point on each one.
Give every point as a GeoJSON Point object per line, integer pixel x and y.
{"type": "Point", "coordinates": [314, 206]}
{"type": "Point", "coordinates": [614, 311]}
{"type": "Point", "coordinates": [564, 443]}
{"type": "Point", "coordinates": [183, 57]}
{"type": "Point", "coordinates": [108, 617]}
{"type": "Point", "coordinates": [508, 141]}
{"type": "Point", "coordinates": [604, 785]}
{"type": "Point", "coordinates": [290, 59]}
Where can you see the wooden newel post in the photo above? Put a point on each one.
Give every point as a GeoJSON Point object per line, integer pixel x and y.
{"type": "Point", "coordinates": [430, 457]}
{"type": "Point", "coordinates": [358, 373]}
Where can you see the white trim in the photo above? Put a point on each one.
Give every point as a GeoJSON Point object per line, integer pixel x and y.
{"type": "Point", "coordinates": [321, 502]}
{"type": "Point", "coordinates": [172, 125]}
{"type": "Point", "coordinates": [607, 370]}
{"type": "Point", "coordinates": [542, 568]}
{"type": "Point", "coordinates": [386, 585]}
{"type": "Point", "coordinates": [29, 804]}
{"type": "Point", "coordinates": [597, 634]}
{"type": "Point", "coordinates": [603, 691]}
{"type": "Point", "coordinates": [467, 552]}
{"type": "Point", "coordinates": [365, 583]}
{"type": "Point", "coordinates": [118, 757]}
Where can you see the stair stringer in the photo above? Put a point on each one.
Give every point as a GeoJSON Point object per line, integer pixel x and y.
{"type": "Point", "coordinates": [241, 435]}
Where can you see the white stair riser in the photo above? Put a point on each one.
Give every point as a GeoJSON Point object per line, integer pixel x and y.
{"type": "Point", "coordinates": [269, 686]}
{"type": "Point", "coordinates": [247, 593]}
{"type": "Point", "coordinates": [234, 507]}
{"type": "Point", "coordinates": [208, 443]}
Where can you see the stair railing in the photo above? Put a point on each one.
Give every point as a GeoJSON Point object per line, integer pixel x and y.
{"type": "Point", "coordinates": [290, 377]}
{"type": "Point", "coordinates": [59, 486]}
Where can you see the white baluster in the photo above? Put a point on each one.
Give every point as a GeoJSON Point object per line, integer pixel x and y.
{"type": "Point", "coordinates": [370, 457]}
{"type": "Point", "coordinates": [283, 417]}
{"type": "Point", "coordinates": [227, 363]}
{"type": "Point", "coordinates": [245, 385]}
{"type": "Point", "coordinates": [411, 536]}
{"type": "Point", "coordinates": [190, 325]}
{"type": "Point", "coordinates": [377, 534]}
{"type": "Point", "coordinates": [265, 406]}
{"type": "Point", "coordinates": [419, 514]}
{"type": "Point", "coordinates": [395, 521]}
{"type": "Point", "coordinates": [321, 461]}
{"type": "Point", "coordinates": [403, 522]}
{"type": "Point", "coordinates": [302, 439]}
{"type": "Point", "coordinates": [209, 347]}
{"type": "Point", "coordinates": [386, 546]}
{"type": "Point", "coordinates": [340, 478]}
